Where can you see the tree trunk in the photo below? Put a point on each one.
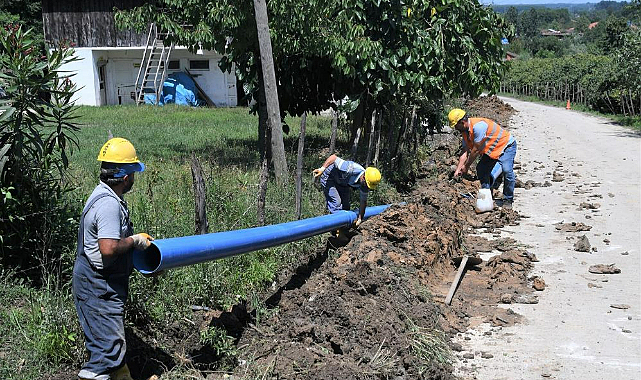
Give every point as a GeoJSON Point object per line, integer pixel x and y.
{"type": "Point", "coordinates": [372, 134]}
{"type": "Point", "coordinates": [264, 147]}
{"type": "Point", "coordinates": [271, 92]}
{"type": "Point", "coordinates": [332, 139]}
{"type": "Point", "coordinates": [378, 137]}
{"type": "Point", "coordinates": [357, 126]}
{"type": "Point", "coordinates": [200, 203]}
{"type": "Point", "coordinates": [299, 165]}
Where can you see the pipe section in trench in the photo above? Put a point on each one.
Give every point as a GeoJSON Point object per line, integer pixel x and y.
{"type": "Point", "coordinates": [182, 251]}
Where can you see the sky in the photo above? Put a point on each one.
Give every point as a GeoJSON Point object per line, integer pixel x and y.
{"type": "Point", "coordinates": [515, 2]}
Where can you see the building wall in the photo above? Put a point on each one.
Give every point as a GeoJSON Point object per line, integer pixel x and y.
{"type": "Point", "coordinates": [121, 68]}
{"type": "Point", "coordinates": [88, 23]}
{"type": "Point", "coordinates": [85, 77]}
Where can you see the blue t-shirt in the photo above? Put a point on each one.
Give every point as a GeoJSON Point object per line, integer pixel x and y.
{"type": "Point", "coordinates": [480, 129]}
{"type": "Point", "coordinates": [352, 173]}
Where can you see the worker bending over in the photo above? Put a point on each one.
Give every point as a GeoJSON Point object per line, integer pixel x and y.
{"type": "Point", "coordinates": [337, 176]}
{"type": "Point", "coordinates": [104, 262]}
{"type": "Point", "coordinates": [485, 137]}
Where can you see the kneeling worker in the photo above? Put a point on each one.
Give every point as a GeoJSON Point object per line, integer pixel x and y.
{"type": "Point", "coordinates": [104, 262]}
{"type": "Point", "coordinates": [485, 137]}
{"type": "Point", "coordinates": [337, 176]}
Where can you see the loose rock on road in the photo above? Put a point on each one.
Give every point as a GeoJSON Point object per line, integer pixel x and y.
{"type": "Point", "coordinates": [578, 329]}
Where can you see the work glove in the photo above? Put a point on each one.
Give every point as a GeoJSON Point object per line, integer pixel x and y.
{"type": "Point", "coordinates": [317, 172]}
{"type": "Point", "coordinates": [357, 222]}
{"type": "Point", "coordinates": [142, 241]}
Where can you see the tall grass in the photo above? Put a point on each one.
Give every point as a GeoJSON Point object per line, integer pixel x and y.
{"type": "Point", "coordinates": [161, 203]}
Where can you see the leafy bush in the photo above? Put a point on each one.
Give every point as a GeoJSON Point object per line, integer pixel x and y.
{"type": "Point", "coordinates": [603, 83]}
{"type": "Point", "coordinates": [36, 137]}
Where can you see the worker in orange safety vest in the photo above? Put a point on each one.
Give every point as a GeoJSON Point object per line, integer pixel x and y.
{"type": "Point", "coordinates": [497, 148]}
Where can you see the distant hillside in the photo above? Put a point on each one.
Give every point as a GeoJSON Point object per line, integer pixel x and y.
{"type": "Point", "coordinates": [501, 6]}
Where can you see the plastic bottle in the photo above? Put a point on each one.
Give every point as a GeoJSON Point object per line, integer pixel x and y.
{"type": "Point", "coordinates": [484, 201]}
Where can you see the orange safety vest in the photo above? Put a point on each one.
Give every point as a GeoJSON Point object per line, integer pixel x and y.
{"type": "Point", "coordinates": [495, 140]}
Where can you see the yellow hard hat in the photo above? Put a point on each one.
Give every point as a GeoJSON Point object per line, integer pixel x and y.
{"type": "Point", "coordinates": [455, 115]}
{"type": "Point", "coordinates": [118, 151]}
{"type": "Point", "coordinates": [372, 177]}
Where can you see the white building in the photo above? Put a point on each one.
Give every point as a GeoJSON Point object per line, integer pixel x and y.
{"type": "Point", "coordinates": [111, 59]}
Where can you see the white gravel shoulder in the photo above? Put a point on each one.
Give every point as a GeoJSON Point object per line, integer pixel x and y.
{"type": "Point", "coordinates": [573, 332]}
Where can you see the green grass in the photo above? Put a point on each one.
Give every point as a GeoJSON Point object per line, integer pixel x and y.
{"type": "Point", "coordinates": [632, 122]}
{"type": "Point", "coordinates": [42, 332]}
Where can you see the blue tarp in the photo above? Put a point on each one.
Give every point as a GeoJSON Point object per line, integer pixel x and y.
{"type": "Point", "coordinates": [178, 88]}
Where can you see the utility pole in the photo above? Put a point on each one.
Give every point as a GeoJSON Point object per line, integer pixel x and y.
{"type": "Point", "coordinates": [271, 92]}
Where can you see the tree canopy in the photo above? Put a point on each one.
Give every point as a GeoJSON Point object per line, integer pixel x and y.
{"type": "Point", "coordinates": [325, 50]}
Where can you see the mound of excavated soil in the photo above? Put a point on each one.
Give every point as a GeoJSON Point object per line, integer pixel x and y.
{"type": "Point", "coordinates": [374, 309]}
{"type": "Point", "coordinates": [366, 310]}
{"type": "Point", "coordinates": [491, 107]}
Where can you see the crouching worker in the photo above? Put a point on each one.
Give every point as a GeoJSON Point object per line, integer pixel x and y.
{"type": "Point", "coordinates": [104, 262]}
{"type": "Point", "coordinates": [485, 137]}
{"type": "Point", "coordinates": [337, 177]}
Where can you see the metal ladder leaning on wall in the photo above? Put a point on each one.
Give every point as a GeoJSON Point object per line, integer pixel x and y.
{"type": "Point", "coordinates": [153, 67]}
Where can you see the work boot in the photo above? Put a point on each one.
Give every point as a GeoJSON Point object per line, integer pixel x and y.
{"type": "Point", "coordinates": [121, 373]}
{"type": "Point", "coordinates": [505, 203]}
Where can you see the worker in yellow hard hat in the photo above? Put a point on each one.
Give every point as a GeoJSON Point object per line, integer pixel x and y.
{"type": "Point", "coordinates": [496, 146]}
{"type": "Point", "coordinates": [104, 262]}
{"type": "Point", "coordinates": [337, 176]}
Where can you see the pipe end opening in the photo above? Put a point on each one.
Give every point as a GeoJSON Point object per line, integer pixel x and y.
{"type": "Point", "coordinates": [147, 261]}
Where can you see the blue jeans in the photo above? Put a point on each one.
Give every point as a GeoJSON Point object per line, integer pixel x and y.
{"type": "Point", "coordinates": [506, 160]}
{"type": "Point", "coordinates": [336, 191]}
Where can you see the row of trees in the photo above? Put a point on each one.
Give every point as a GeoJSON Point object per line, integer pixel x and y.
{"type": "Point", "coordinates": [389, 63]}
{"type": "Point", "coordinates": [398, 59]}
{"type": "Point", "coordinates": [605, 83]}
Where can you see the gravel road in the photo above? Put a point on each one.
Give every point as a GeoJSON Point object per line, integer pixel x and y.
{"type": "Point", "coordinates": [574, 332]}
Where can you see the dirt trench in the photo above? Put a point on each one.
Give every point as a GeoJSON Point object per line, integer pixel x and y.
{"type": "Point", "coordinates": [374, 309]}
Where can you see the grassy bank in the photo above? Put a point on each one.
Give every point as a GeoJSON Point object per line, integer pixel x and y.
{"type": "Point", "coordinates": [41, 333]}
{"type": "Point", "coordinates": [632, 122]}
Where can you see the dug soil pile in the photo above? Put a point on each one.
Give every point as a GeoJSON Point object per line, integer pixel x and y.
{"type": "Point", "coordinates": [375, 307]}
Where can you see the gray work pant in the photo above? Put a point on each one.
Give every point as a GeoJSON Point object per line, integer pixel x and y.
{"type": "Point", "coordinates": [99, 296]}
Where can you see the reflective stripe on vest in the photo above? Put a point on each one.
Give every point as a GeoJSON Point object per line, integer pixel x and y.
{"type": "Point", "coordinates": [495, 140]}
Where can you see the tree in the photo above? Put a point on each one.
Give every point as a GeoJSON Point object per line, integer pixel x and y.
{"type": "Point", "coordinates": [512, 16]}
{"type": "Point", "coordinates": [529, 25]}
{"type": "Point", "coordinates": [371, 51]}
{"type": "Point", "coordinates": [615, 28]}
{"type": "Point", "coordinates": [36, 138]}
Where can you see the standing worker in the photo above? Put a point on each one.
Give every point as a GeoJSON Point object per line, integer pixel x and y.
{"type": "Point", "coordinates": [485, 137]}
{"type": "Point", "coordinates": [336, 178]}
{"type": "Point", "coordinates": [104, 262]}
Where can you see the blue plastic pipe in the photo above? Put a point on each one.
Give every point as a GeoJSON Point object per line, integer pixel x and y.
{"type": "Point", "coordinates": [182, 251]}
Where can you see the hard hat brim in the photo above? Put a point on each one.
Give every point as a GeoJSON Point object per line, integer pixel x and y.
{"type": "Point", "coordinates": [126, 169]}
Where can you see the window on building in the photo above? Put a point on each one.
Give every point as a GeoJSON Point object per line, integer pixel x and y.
{"type": "Point", "coordinates": [174, 65]}
{"type": "Point", "coordinates": [199, 64]}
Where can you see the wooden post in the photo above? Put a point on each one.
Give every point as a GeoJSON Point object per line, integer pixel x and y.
{"type": "Point", "coordinates": [332, 139]}
{"type": "Point", "coordinates": [200, 199]}
{"type": "Point", "coordinates": [457, 278]}
{"type": "Point", "coordinates": [299, 165]}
